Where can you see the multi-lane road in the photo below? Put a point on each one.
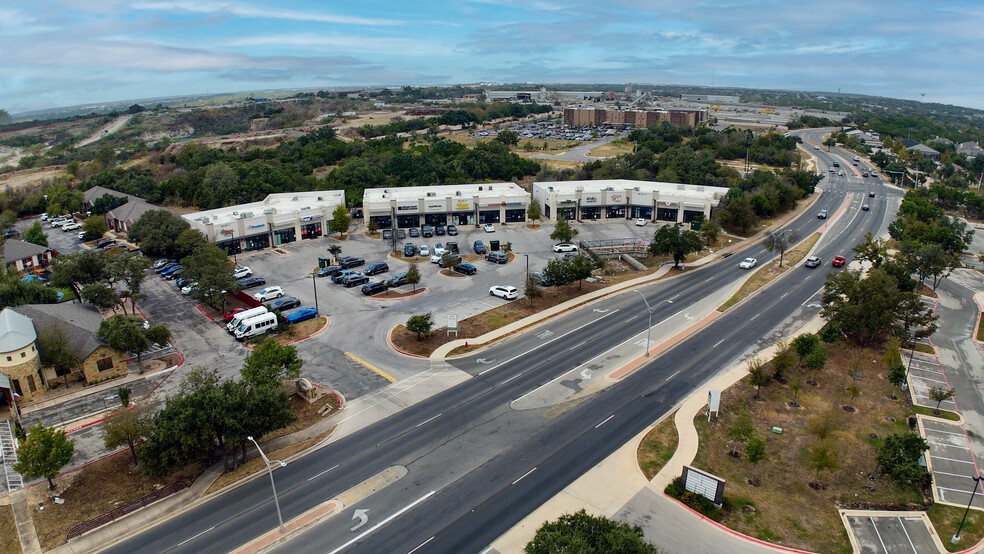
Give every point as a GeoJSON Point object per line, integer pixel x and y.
{"type": "Point", "coordinates": [452, 473]}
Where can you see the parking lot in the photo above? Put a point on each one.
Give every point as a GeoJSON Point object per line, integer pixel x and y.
{"type": "Point", "coordinates": [926, 373]}
{"type": "Point", "coordinates": [891, 532]}
{"type": "Point", "coordinates": [63, 242]}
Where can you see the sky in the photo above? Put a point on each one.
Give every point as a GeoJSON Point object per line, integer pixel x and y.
{"type": "Point", "coordinates": [56, 53]}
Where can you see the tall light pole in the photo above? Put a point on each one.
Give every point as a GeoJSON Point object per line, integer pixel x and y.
{"type": "Point", "coordinates": [314, 284]}
{"type": "Point", "coordinates": [650, 310]}
{"type": "Point", "coordinates": [270, 463]}
{"type": "Point", "coordinates": [977, 481]}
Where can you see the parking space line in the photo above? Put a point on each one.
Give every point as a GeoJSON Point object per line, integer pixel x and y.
{"type": "Point", "coordinates": [943, 432]}
{"type": "Point", "coordinates": [907, 537]}
{"type": "Point", "coordinates": [875, 527]}
{"type": "Point", "coordinates": [953, 490]}
{"type": "Point", "coordinates": [950, 459]}
{"type": "Point", "coordinates": [373, 368]}
{"type": "Point", "coordinates": [948, 444]}
{"type": "Point", "coordinates": [930, 379]}
{"type": "Point", "coordinates": [935, 472]}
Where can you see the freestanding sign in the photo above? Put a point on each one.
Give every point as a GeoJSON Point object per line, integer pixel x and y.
{"type": "Point", "coordinates": [713, 403]}
{"type": "Point", "coordinates": [709, 486]}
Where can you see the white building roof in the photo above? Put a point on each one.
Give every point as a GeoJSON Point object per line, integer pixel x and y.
{"type": "Point", "coordinates": [16, 331]}
{"type": "Point", "coordinates": [412, 194]}
{"type": "Point", "coordinates": [280, 203]}
{"type": "Point", "coordinates": [666, 190]}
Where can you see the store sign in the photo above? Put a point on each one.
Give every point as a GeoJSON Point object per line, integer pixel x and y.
{"type": "Point", "coordinates": [312, 217]}
{"type": "Point", "coordinates": [257, 226]}
{"type": "Point", "coordinates": [227, 231]}
{"type": "Point", "coordinates": [435, 206]}
{"type": "Point", "coordinates": [616, 197]}
{"type": "Point", "coordinates": [592, 199]}
{"type": "Point", "coordinates": [513, 204]}
{"type": "Point", "coordinates": [463, 206]}
{"type": "Point", "coordinates": [406, 208]}
{"type": "Point", "coordinates": [566, 202]}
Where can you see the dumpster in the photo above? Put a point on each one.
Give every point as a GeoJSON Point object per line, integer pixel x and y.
{"type": "Point", "coordinates": [323, 262]}
{"type": "Point", "coordinates": [494, 245]}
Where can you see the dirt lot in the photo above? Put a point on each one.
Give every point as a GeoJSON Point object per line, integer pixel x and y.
{"type": "Point", "coordinates": [774, 499]}
{"type": "Point", "coordinates": [26, 177]}
{"type": "Point", "coordinates": [9, 543]}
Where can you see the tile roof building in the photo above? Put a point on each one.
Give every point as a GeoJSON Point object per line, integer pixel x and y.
{"type": "Point", "coordinates": [25, 255]}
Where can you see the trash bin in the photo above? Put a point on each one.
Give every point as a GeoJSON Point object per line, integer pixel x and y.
{"type": "Point", "coordinates": [494, 245]}
{"type": "Point", "coordinates": [323, 262]}
{"type": "Point", "coordinates": [695, 224]}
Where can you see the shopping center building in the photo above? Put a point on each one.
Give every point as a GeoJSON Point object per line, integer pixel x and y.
{"type": "Point", "coordinates": [278, 219]}
{"type": "Point", "coordinates": [625, 199]}
{"type": "Point", "coordinates": [471, 204]}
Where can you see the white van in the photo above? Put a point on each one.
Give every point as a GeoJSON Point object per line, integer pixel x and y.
{"type": "Point", "coordinates": [242, 316]}
{"type": "Point", "coordinates": [256, 325]}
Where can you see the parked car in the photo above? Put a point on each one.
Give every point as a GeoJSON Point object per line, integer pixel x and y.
{"type": "Point", "coordinates": [285, 303]}
{"type": "Point", "coordinates": [466, 268]}
{"type": "Point", "coordinates": [170, 270]}
{"type": "Point", "coordinates": [375, 287]}
{"type": "Point", "coordinates": [541, 279]}
{"type": "Point", "coordinates": [748, 263]}
{"type": "Point", "coordinates": [414, 232]}
{"type": "Point", "coordinates": [397, 280]}
{"type": "Point", "coordinates": [353, 280]}
{"type": "Point", "coordinates": [838, 261]}
{"type": "Point", "coordinates": [81, 235]}
{"type": "Point", "coordinates": [439, 249]}
{"type": "Point", "coordinates": [70, 227]}
{"type": "Point", "coordinates": [506, 292]}
{"type": "Point", "coordinates": [303, 314]}
{"type": "Point", "coordinates": [157, 265]}
{"type": "Point", "coordinates": [427, 231]}
{"type": "Point", "coordinates": [165, 267]}
{"type": "Point", "coordinates": [479, 247]}
{"type": "Point", "coordinates": [241, 272]}
{"type": "Point", "coordinates": [379, 267]}
{"type": "Point", "coordinates": [329, 270]}
{"type": "Point", "coordinates": [641, 222]}
{"type": "Point", "coordinates": [564, 247]}
{"type": "Point", "coordinates": [409, 250]}
{"type": "Point", "coordinates": [269, 293]}
{"type": "Point", "coordinates": [173, 274]}
{"type": "Point", "coordinates": [250, 282]}
{"type": "Point", "coordinates": [401, 234]}
{"type": "Point", "coordinates": [232, 313]}
{"type": "Point", "coordinates": [186, 290]}
{"type": "Point", "coordinates": [439, 230]}
{"type": "Point", "coordinates": [813, 261]}
{"type": "Point", "coordinates": [489, 228]}
{"type": "Point", "coordinates": [822, 214]}
{"type": "Point", "coordinates": [387, 234]}
{"type": "Point", "coordinates": [497, 257]}
{"type": "Point", "coordinates": [344, 274]}
{"type": "Point", "coordinates": [180, 283]}
{"type": "Point", "coordinates": [449, 256]}
{"type": "Point", "coordinates": [422, 250]}
{"type": "Point", "coordinates": [452, 231]}
{"type": "Point", "coordinates": [452, 247]}
{"type": "Point", "coordinates": [350, 261]}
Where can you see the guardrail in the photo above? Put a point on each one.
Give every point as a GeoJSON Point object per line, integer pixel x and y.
{"type": "Point", "coordinates": [125, 509]}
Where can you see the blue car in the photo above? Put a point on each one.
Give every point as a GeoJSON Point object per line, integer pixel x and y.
{"type": "Point", "coordinates": [174, 269]}
{"type": "Point", "coordinates": [303, 314]}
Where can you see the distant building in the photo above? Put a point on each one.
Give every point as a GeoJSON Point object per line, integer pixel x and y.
{"type": "Point", "coordinates": [24, 255]}
{"type": "Point", "coordinates": [710, 98]}
{"type": "Point", "coordinates": [539, 96]}
{"type": "Point", "coordinates": [121, 218]}
{"type": "Point", "coordinates": [970, 149]}
{"type": "Point", "coordinates": [580, 116]}
{"type": "Point", "coordinates": [466, 204]}
{"type": "Point", "coordinates": [626, 199]}
{"type": "Point", "coordinates": [90, 196]}
{"type": "Point", "coordinates": [913, 146]}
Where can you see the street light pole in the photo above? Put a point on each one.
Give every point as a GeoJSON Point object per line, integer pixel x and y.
{"type": "Point", "coordinates": [270, 464]}
{"type": "Point", "coordinates": [314, 284]}
{"type": "Point", "coordinates": [650, 310]}
{"type": "Point", "coordinates": [977, 481]}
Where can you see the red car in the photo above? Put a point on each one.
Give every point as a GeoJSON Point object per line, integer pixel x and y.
{"type": "Point", "coordinates": [838, 261]}
{"type": "Point", "coordinates": [231, 314]}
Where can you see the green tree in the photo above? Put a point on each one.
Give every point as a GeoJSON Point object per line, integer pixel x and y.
{"type": "Point", "coordinates": [899, 458]}
{"type": "Point", "coordinates": [270, 363]}
{"type": "Point", "coordinates": [130, 270]}
{"type": "Point", "coordinates": [815, 361]}
{"type": "Point", "coordinates": [156, 232]}
{"type": "Point", "coordinates": [558, 273]}
{"type": "Point", "coordinates": [823, 457]}
{"type": "Point", "coordinates": [334, 250]}
{"type": "Point", "coordinates": [125, 334]}
{"type": "Point", "coordinates": [563, 231]}
{"type": "Point", "coordinates": [187, 243]}
{"type": "Point", "coordinates": [580, 267]}
{"type": "Point", "coordinates": [507, 137]}
{"type": "Point", "coordinates": [124, 395]}
{"type": "Point", "coordinates": [670, 240]}
{"type": "Point", "coordinates": [709, 232]}
{"type": "Point", "coordinates": [939, 394]}
{"type": "Point", "coordinates": [35, 235]}
{"type": "Point", "coordinates": [57, 352]}
{"type": "Point", "coordinates": [450, 260]}
{"type": "Point", "coordinates": [79, 269]}
{"type": "Point", "coordinates": [94, 227]}
{"type": "Point", "coordinates": [532, 288]}
{"type": "Point", "coordinates": [863, 307]}
{"type": "Point", "coordinates": [5, 117]}
{"type": "Point", "coordinates": [871, 250]}
{"type": "Point", "coordinates": [740, 429]}
{"type": "Point", "coordinates": [126, 427]}
{"type": "Point", "coordinates": [783, 361]}
{"type": "Point", "coordinates": [534, 211]}
{"type": "Point", "coordinates": [740, 212]}
{"type": "Point", "coordinates": [587, 534]}
{"type": "Point", "coordinates": [413, 274]}
{"type": "Point", "coordinates": [44, 453]}
{"type": "Point", "coordinates": [420, 324]}
{"type": "Point", "coordinates": [896, 374]}
{"type": "Point", "coordinates": [340, 220]}
{"type": "Point", "coordinates": [106, 156]}
{"type": "Point", "coordinates": [758, 377]}
{"type": "Point", "coordinates": [796, 386]}
{"type": "Point", "coordinates": [211, 268]}
{"type": "Point", "coordinates": [779, 242]}
{"type": "Point", "coordinates": [755, 449]}
{"type": "Point", "coordinates": [803, 344]}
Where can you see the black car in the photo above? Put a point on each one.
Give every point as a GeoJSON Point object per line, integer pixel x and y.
{"type": "Point", "coordinates": [452, 247]}
{"type": "Point", "coordinates": [479, 247]}
{"type": "Point", "coordinates": [375, 268]}
{"type": "Point", "coordinates": [451, 256]}
{"type": "Point", "coordinates": [250, 282]}
{"type": "Point", "coordinates": [397, 280]}
{"type": "Point", "coordinates": [401, 234]}
{"type": "Point", "coordinates": [427, 231]}
{"type": "Point", "coordinates": [439, 230]}
{"type": "Point", "coordinates": [466, 268]}
{"type": "Point", "coordinates": [497, 257]}
{"type": "Point", "coordinates": [350, 261]}
{"type": "Point", "coordinates": [104, 242]}
{"type": "Point", "coordinates": [387, 234]}
{"type": "Point", "coordinates": [409, 250]}
{"type": "Point", "coordinates": [10, 233]}
{"type": "Point", "coordinates": [285, 303]}
{"type": "Point", "coordinates": [871, 194]}
{"type": "Point", "coordinates": [376, 287]}
{"type": "Point", "coordinates": [344, 274]}
{"type": "Point", "coordinates": [414, 232]}
{"type": "Point", "coordinates": [353, 280]}
{"type": "Point", "coordinates": [452, 230]}
{"type": "Point", "coordinates": [329, 270]}
{"type": "Point", "coordinates": [541, 278]}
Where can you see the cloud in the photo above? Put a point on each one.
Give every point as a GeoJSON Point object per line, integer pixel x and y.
{"type": "Point", "coordinates": [348, 43]}
{"type": "Point", "coordinates": [246, 11]}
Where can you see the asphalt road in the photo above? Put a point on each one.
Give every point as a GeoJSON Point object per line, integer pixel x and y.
{"type": "Point", "coordinates": [476, 465]}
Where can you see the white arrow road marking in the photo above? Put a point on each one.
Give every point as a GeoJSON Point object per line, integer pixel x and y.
{"type": "Point", "coordinates": [586, 373]}
{"type": "Point", "coordinates": [362, 517]}
{"type": "Point", "coordinates": [688, 316]}
{"type": "Point", "coordinates": [599, 310]}
{"type": "Point", "coordinates": [384, 522]}
{"type": "Point", "coordinates": [484, 361]}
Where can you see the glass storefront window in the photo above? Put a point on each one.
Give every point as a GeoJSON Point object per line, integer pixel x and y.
{"type": "Point", "coordinates": [615, 212]}
{"type": "Point", "coordinates": [690, 215]}
{"type": "Point", "coordinates": [515, 216]}
{"type": "Point", "coordinates": [488, 216]}
{"type": "Point", "coordinates": [404, 221]}
{"type": "Point", "coordinates": [546, 211]}
{"type": "Point", "coordinates": [565, 213]}
{"type": "Point", "coordinates": [230, 246]}
{"type": "Point", "coordinates": [311, 231]}
{"type": "Point", "coordinates": [283, 236]}
{"type": "Point", "coordinates": [436, 219]}
{"type": "Point", "coordinates": [382, 221]}
{"type": "Point", "coordinates": [666, 214]}
{"type": "Point", "coordinates": [591, 212]}
{"type": "Point", "coordinates": [463, 219]}
{"type": "Point", "coordinates": [640, 211]}
{"type": "Point", "coordinates": [257, 242]}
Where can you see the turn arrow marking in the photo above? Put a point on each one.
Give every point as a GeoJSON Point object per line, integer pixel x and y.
{"type": "Point", "coordinates": [362, 517]}
{"type": "Point", "coordinates": [484, 361]}
{"type": "Point", "coordinates": [599, 310]}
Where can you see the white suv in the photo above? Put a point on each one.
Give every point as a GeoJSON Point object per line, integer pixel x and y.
{"type": "Point", "coordinates": [241, 272]}
{"type": "Point", "coordinates": [507, 292]}
{"type": "Point", "coordinates": [564, 247]}
{"type": "Point", "coordinates": [269, 293]}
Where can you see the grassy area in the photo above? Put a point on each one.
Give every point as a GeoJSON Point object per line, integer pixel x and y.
{"type": "Point", "coordinates": [613, 148]}
{"type": "Point", "coordinates": [9, 543]}
{"type": "Point", "coordinates": [787, 507]}
{"type": "Point", "coordinates": [768, 272]}
{"type": "Point", "coordinates": [943, 414]}
{"type": "Point", "coordinates": [946, 519]}
{"type": "Point", "coordinates": [658, 447]}
{"type": "Point", "coordinates": [980, 328]}
{"type": "Point", "coordinates": [294, 332]}
{"type": "Point", "coordinates": [925, 348]}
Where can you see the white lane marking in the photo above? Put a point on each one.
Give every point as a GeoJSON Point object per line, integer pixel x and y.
{"type": "Point", "coordinates": [718, 342]}
{"type": "Point", "coordinates": [383, 522]}
{"type": "Point", "coordinates": [957, 475]}
{"type": "Point", "coordinates": [671, 376]}
{"type": "Point", "coordinates": [754, 316]}
{"type": "Point", "coordinates": [421, 545]}
{"type": "Point", "coordinates": [672, 298]}
{"type": "Point", "coordinates": [196, 536]}
{"type": "Point", "coordinates": [604, 422]}
{"type": "Point", "coordinates": [524, 476]}
{"type": "Point", "coordinates": [557, 378]}
{"type": "Point", "coordinates": [511, 378]}
{"type": "Point", "coordinates": [323, 472]}
{"type": "Point", "coordinates": [630, 319]}
{"type": "Point", "coordinates": [783, 295]}
{"type": "Point", "coordinates": [875, 527]}
{"type": "Point", "coordinates": [582, 343]}
{"type": "Point", "coordinates": [953, 490]}
{"type": "Point", "coordinates": [426, 421]}
{"type": "Point", "coordinates": [549, 341]}
{"type": "Point", "coordinates": [674, 315]}
{"type": "Point", "coordinates": [935, 457]}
